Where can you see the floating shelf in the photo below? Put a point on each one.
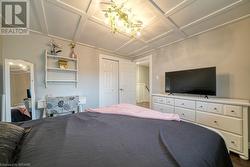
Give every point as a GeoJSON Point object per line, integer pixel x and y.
{"type": "Point", "coordinates": [59, 69]}
{"type": "Point", "coordinates": [66, 81]}
{"type": "Point", "coordinates": [61, 57]}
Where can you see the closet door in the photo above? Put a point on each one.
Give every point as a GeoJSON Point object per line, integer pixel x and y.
{"type": "Point", "coordinates": [127, 82]}
{"type": "Point", "coordinates": [109, 76]}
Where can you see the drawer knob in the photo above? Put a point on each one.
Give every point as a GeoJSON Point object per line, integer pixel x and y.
{"type": "Point", "coordinates": [215, 122]}
{"type": "Point", "coordinates": [183, 114]}
{"type": "Point", "coordinates": [215, 108]}
{"type": "Point", "coordinates": [201, 106]}
{"type": "Point", "coordinates": [232, 142]}
{"type": "Point", "coordinates": [182, 104]}
{"type": "Point", "coordinates": [232, 110]}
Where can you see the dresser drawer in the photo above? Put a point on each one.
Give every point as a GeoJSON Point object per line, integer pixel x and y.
{"type": "Point", "coordinates": [234, 111]}
{"type": "Point", "coordinates": [163, 108]}
{"type": "Point", "coordinates": [215, 108]}
{"type": "Point", "coordinates": [234, 142]}
{"type": "Point", "coordinates": [162, 100]}
{"type": "Point", "coordinates": [169, 101]}
{"type": "Point", "coordinates": [158, 107]}
{"type": "Point", "coordinates": [201, 106]}
{"type": "Point", "coordinates": [185, 103]}
{"type": "Point", "coordinates": [169, 109]}
{"type": "Point", "coordinates": [155, 99]}
{"type": "Point", "coordinates": [185, 114]}
{"type": "Point", "coordinates": [233, 125]}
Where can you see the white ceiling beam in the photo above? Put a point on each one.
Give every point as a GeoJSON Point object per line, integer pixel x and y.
{"type": "Point", "coordinates": [125, 44]}
{"type": "Point", "coordinates": [82, 22]}
{"type": "Point", "coordinates": [151, 40]}
{"type": "Point", "coordinates": [221, 25]}
{"type": "Point", "coordinates": [66, 6]}
{"type": "Point", "coordinates": [160, 36]}
{"type": "Point", "coordinates": [79, 28]}
{"type": "Point", "coordinates": [39, 8]}
{"type": "Point", "coordinates": [202, 32]}
{"type": "Point", "coordinates": [175, 26]}
{"type": "Point", "coordinates": [178, 7]}
{"type": "Point", "coordinates": [215, 13]}
{"type": "Point", "coordinates": [148, 51]}
{"type": "Point", "coordinates": [137, 50]}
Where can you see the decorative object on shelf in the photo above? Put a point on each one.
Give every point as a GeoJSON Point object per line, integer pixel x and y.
{"type": "Point", "coordinates": [63, 64]}
{"type": "Point", "coordinates": [121, 18]}
{"type": "Point", "coordinates": [55, 48]}
{"type": "Point", "coordinates": [73, 54]}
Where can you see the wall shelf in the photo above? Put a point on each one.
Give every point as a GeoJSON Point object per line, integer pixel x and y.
{"type": "Point", "coordinates": [54, 74]}
{"type": "Point", "coordinates": [59, 69]}
{"type": "Point", "coordinates": [66, 81]}
{"type": "Point", "coordinates": [61, 57]}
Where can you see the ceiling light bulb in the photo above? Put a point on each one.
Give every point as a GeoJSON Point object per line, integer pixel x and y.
{"type": "Point", "coordinates": [138, 33]}
{"type": "Point", "coordinates": [20, 65]}
{"type": "Point", "coordinates": [10, 63]}
{"type": "Point", "coordinates": [106, 20]}
{"type": "Point", "coordinates": [119, 23]}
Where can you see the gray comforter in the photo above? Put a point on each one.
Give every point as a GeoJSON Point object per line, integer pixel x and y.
{"type": "Point", "coordinates": [106, 140]}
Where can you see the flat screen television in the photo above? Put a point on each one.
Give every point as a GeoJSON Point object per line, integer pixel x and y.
{"type": "Point", "coordinates": [196, 81]}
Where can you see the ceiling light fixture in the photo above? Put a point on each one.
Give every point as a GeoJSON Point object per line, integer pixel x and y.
{"type": "Point", "coordinates": [121, 19]}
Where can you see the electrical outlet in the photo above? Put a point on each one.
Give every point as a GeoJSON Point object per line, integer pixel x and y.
{"type": "Point", "coordinates": [82, 100]}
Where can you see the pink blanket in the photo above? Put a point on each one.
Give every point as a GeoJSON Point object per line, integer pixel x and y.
{"type": "Point", "coordinates": [135, 111]}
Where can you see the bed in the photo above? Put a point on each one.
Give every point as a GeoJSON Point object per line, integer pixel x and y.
{"type": "Point", "coordinates": [95, 139]}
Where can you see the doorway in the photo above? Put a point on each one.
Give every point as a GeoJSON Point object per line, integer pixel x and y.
{"type": "Point", "coordinates": [117, 81]}
{"type": "Point", "coordinates": [143, 82]}
{"type": "Point", "coordinates": [109, 82]}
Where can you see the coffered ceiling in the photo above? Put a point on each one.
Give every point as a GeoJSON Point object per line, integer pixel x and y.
{"type": "Point", "coordinates": [164, 22]}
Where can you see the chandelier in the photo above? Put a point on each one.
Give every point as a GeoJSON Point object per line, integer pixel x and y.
{"type": "Point", "coordinates": [121, 19]}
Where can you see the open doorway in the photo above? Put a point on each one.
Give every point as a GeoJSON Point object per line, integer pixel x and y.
{"type": "Point", "coordinates": [143, 82]}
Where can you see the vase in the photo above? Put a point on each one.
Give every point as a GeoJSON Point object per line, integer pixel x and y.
{"type": "Point", "coordinates": [73, 54]}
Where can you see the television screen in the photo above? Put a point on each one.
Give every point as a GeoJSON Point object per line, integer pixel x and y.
{"type": "Point", "coordinates": [196, 81]}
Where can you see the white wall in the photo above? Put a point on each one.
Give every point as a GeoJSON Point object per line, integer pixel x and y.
{"type": "Point", "coordinates": [1, 76]}
{"type": "Point", "coordinates": [227, 48]}
{"type": "Point", "coordinates": [142, 79]}
{"type": "Point", "coordinates": [31, 48]}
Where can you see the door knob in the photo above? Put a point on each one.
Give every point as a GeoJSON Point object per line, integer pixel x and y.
{"type": "Point", "coordinates": [121, 89]}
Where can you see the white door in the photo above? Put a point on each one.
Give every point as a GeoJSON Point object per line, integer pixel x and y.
{"type": "Point", "coordinates": [109, 76]}
{"type": "Point", "coordinates": [127, 82]}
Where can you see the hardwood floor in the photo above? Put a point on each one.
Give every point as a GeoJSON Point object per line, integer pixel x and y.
{"type": "Point", "coordinates": [143, 104]}
{"type": "Point", "coordinates": [236, 160]}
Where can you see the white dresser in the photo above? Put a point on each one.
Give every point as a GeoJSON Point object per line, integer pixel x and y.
{"type": "Point", "coordinates": [227, 116]}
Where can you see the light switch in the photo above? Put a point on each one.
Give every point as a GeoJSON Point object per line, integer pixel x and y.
{"type": "Point", "coordinates": [40, 104]}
